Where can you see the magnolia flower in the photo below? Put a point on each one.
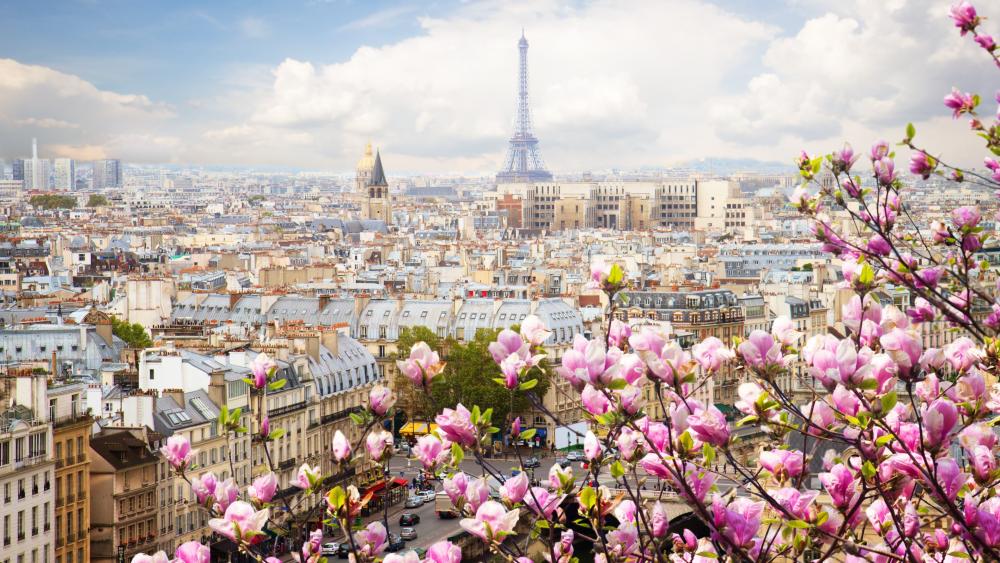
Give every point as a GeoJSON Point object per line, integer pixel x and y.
{"type": "Point", "coordinates": [510, 369]}
{"type": "Point", "coordinates": [963, 354]}
{"type": "Point", "coordinates": [158, 557]}
{"type": "Point", "coordinates": [241, 523]}
{"type": "Point", "coordinates": [842, 486]}
{"type": "Point", "coordinates": [443, 552]}
{"type": "Point", "coordinates": [964, 15]}
{"type": "Point", "coordinates": [381, 399]}
{"type": "Point", "coordinates": [192, 552]}
{"type": "Point", "coordinates": [203, 486]}
{"type": "Point", "coordinates": [261, 368]}
{"type": "Point", "coordinates": [379, 445]}
{"type": "Point", "coordinates": [263, 488]}
{"type": "Point", "coordinates": [226, 493]}
{"type": "Point", "coordinates": [477, 491]}
{"type": "Point", "coordinates": [492, 521]}
{"type": "Point", "coordinates": [665, 360]}
{"type": "Point", "coordinates": [372, 539]}
{"type": "Point", "coordinates": [591, 446]}
{"type": "Point", "coordinates": [618, 334]}
{"type": "Point", "coordinates": [428, 450]}
{"type": "Point", "coordinates": [306, 476]}
{"type": "Point", "coordinates": [659, 522]}
{"type": "Point", "coordinates": [542, 502]}
{"type": "Point", "coordinates": [312, 547]}
{"type": "Point", "coordinates": [178, 452]}
{"type": "Point", "coordinates": [408, 557]}
{"type": "Point", "coordinates": [760, 351]}
{"type": "Point", "coordinates": [422, 365]}
{"type": "Point", "coordinates": [455, 486]}
{"type": "Point", "coordinates": [939, 419]}
{"type": "Point", "coordinates": [710, 425]}
{"type": "Point", "coordinates": [739, 520]}
{"type": "Point", "coordinates": [558, 474]}
{"type": "Point", "coordinates": [783, 330]}
{"type": "Point", "coordinates": [783, 464]}
{"type": "Point", "coordinates": [513, 490]}
{"type": "Point", "coordinates": [456, 424]}
{"type": "Point", "coordinates": [965, 218]}
{"type": "Point", "coordinates": [534, 331]}
{"type": "Point", "coordinates": [959, 102]}
{"type": "Point", "coordinates": [711, 353]}
{"type": "Point", "coordinates": [879, 150]}
{"type": "Point", "coordinates": [625, 511]}
{"type": "Point", "coordinates": [341, 447]}
{"type": "Point", "coordinates": [922, 164]}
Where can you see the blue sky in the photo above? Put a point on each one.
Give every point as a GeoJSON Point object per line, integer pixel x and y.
{"type": "Point", "coordinates": [303, 83]}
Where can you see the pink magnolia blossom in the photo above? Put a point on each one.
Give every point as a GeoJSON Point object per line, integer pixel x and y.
{"type": "Point", "coordinates": [443, 552]}
{"type": "Point", "coordinates": [192, 552]}
{"type": "Point", "coordinates": [711, 353]}
{"type": "Point", "coordinates": [710, 425]}
{"type": "Point", "coordinates": [263, 488]}
{"type": "Point", "coordinates": [796, 502]}
{"type": "Point", "coordinates": [177, 452]}
{"type": "Point", "coordinates": [158, 557]}
{"type": "Point", "coordinates": [665, 359]}
{"type": "Point", "coordinates": [261, 369]}
{"type": "Point", "coordinates": [372, 539]}
{"type": "Point", "coordinates": [749, 393]}
{"type": "Point", "coordinates": [964, 15]}
{"type": "Point", "coordinates": [587, 363]}
{"type": "Point", "coordinates": [631, 399]}
{"type": "Point", "coordinates": [381, 399]}
{"type": "Point", "coordinates": [921, 164]}
{"type": "Point", "coordinates": [783, 330]}
{"type": "Point", "coordinates": [594, 401]}
{"type": "Point", "coordinates": [959, 102]}
{"type": "Point", "coordinates": [306, 476]}
{"type": "Point", "coordinates": [591, 446]}
{"type": "Point", "coordinates": [477, 491]}
{"type": "Point", "coordinates": [625, 511]}
{"type": "Point", "coordinates": [842, 486]}
{"type": "Point", "coordinates": [629, 443]}
{"type": "Point", "coordinates": [428, 450]}
{"type": "Point", "coordinates": [513, 490]}
{"type": "Point", "coordinates": [885, 171]}
{"type": "Point", "coordinates": [940, 418]}
{"type": "Point", "coordinates": [963, 354]}
{"type": "Point", "coordinates": [904, 347]}
{"type": "Point", "coordinates": [265, 427]}
{"type": "Point", "coordinates": [542, 502]}
{"type": "Point", "coordinates": [422, 365]}
{"type": "Point", "coordinates": [204, 486]}
{"type": "Point", "coordinates": [922, 311]}
{"type": "Point", "coordinates": [983, 463]}
{"type": "Point", "coordinates": [341, 447]}
{"type": "Point", "coordinates": [492, 521]}
{"type": "Point", "coordinates": [965, 218]}
{"type": "Point", "coordinates": [456, 424]}
{"type": "Point", "coordinates": [408, 557]}
{"type": "Point", "coordinates": [226, 492]}
{"type": "Point", "coordinates": [618, 334]}
{"type": "Point", "coordinates": [977, 435]}
{"type": "Point", "coordinates": [534, 331]}
{"type": "Point", "coordinates": [312, 548]}
{"type": "Point", "coordinates": [455, 487]}
{"type": "Point", "coordinates": [879, 150]}
{"type": "Point", "coordinates": [241, 516]}
{"type": "Point", "coordinates": [949, 476]}
{"type": "Point", "coordinates": [783, 464]}
{"type": "Point", "coordinates": [511, 368]}
{"type": "Point", "coordinates": [558, 474]}
{"type": "Point", "coordinates": [983, 519]}
{"type": "Point", "coordinates": [760, 351]}
{"type": "Point", "coordinates": [599, 272]}
{"type": "Point", "coordinates": [738, 521]}
{"type": "Point", "coordinates": [659, 522]}
{"type": "Point", "coordinates": [379, 445]}
{"type": "Point", "coordinates": [509, 343]}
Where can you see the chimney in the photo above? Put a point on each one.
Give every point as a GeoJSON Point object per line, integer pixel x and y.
{"type": "Point", "coordinates": [104, 330]}
{"type": "Point", "coordinates": [217, 387]}
{"type": "Point", "coordinates": [310, 341]}
{"type": "Point", "coordinates": [324, 300]}
{"type": "Point", "coordinates": [329, 338]}
{"type": "Point", "coordinates": [234, 298]}
{"type": "Point", "coordinates": [176, 394]}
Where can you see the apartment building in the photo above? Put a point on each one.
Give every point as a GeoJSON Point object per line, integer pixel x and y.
{"type": "Point", "coordinates": [26, 476]}
{"type": "Point", "coordinates": [123, 474]}
{"type": "Point", "coordinates": [71, 426]}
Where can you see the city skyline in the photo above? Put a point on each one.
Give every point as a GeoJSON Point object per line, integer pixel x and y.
{"type": "Point", "coordinates": [434, 84]}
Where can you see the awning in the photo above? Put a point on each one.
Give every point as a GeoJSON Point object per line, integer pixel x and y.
{"type": "Point", "coordinates": [400, 481]}
{"type": "Point", "coordinates": [374, 488]}
{"type": "Point", "coordinates": [417, 428]}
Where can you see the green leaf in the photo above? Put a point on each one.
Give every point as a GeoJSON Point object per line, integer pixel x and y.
{"type": "Point", "coordinates": [867, 275]}
{"type": "Point", "coordinates": [686, 441]}
{"type": "Point", "coordinates": [708, 452]}
{"type": "Point", "coordinates": [883, 440]}
{"type": "Point", "coordinates": [357, 418]}
{"type": "Point", "coordinates": [746, 420]}
{"type": "Point", "coordinates": [797, 524]}
{"type": "Point", "coordinates": [223, 415]}
{"type": "Point", "coordinates": [526, 385]}
{"type": "Point", "coordinates": [588, 497]}
{"type": "Point", "coordinates": [528, 434]}
{"type": "Point", "coordinates": [959, 554]}
{"type": "Point", "coordinates": [248, 381]}
{"type": "Point", "coordinates": [617, 470]}
{"type": "Point", "coordinates": [278, 433]}
{"type": "Point", "coordinates": [500, 380]}
{"type": "Point", "coordinates": [475, 414]}
{"type": "Point", "coordinates": [822, 517]}
{"type": "Point", "coordinates": [457, 453]}
{"type": "Point", "coordinates": [617, 384]}
{"type": "Point", "coordinates": [888, 401]}
{"type": "Point", "coordinates": [616, 275]}
{"type": "Point", "coordinates": [868, 470]}
{"type": "Point", "coordinates": [911, 131]}
{"type": "Point", "coordinates": [487, 415]}
{"type": "Point", "coordinates": [275, 385]}
{"type": "Point", "coordinates": [868, 384]}
{"type": "Point", "coordinates": [707, 554]}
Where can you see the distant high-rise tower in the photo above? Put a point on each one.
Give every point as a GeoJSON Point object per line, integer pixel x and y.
{"type": "Point", "coordinates": [64, 174]}
{"type": "Point", "coordinates": [523, 163]}
{"type": "Point", "coordinates": [376, 204]}
{"type": "Point", "coordinates": [107, 174]}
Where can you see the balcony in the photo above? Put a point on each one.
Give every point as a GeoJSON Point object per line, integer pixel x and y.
{"type": "Point", "coordinates": [20, 537]}
{"type": "Point", "coordinates": [70, 498]}
{"type": "Point", "coordinates": [287, 464]}
{"type": "Point", "coordinates": [34, 531]}
{"type": "Point", "coordinates": [60, 541]}
{"type": "Point", "coordinates": [48, 485]}
{"type": "Point", "coordinates": [81, 458]}
{"type": "Point", "coordinates": [20, 494]}
{"type": "Point", "coordinates": [82, 495]}
{"type": "Point", "coordinates": [273, 413]}
{"type": "Point", "coordinates": [60, 463]}
{"type": "Point", "coordinates": [61, 421]}
{"type": "Point", "coordinates": [6, 542]}
{"type": "Point", "coordinates": [47, 527]}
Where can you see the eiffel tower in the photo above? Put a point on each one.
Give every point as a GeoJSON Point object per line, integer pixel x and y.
{"type": "Point", "coordinates": [523, 162]}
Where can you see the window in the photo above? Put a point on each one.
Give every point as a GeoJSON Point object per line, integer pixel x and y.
{"type": "Point", "coordinates": [152, 374]}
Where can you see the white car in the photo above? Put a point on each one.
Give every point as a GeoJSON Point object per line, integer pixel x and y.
{"type": "Point", "coordinates": [427, 496]}
{"type": "Point", "coordinates": [331, 548]}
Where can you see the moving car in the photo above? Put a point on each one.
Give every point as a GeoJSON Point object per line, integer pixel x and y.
{"type": "Point", "coordinates": [408, 534]}
{"type": "Point", "coordinates": [415, 501]}
{"type": "Point", "coordinates": [344, 552]}
{"type": "Point", "coordinates": [408, 519]}
{"type": "Point", "coordinates": [396, 543]}
{"type": "Point", "coordinates": [532, 462]}
{"type": "Point", "coordinates": [427, 496]}
{"type": "Point", "coordinates": [331, 548]}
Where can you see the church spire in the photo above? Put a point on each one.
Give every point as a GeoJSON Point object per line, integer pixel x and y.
{"type": "Point", "coordinates": [378, 175]}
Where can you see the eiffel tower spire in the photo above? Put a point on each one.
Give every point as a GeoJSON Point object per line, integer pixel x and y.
{"type": "Point", "coordinates": [524, 162]}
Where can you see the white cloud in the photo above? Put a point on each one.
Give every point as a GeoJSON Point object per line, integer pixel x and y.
{"type": "Point", "coordinates": [72, 117]}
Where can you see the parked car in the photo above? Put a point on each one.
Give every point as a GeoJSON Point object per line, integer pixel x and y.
{"type": "Point", "coordinates": [344, 552]}
{"type": "Point", "coordinates": [415, 501]}
{"type": "Point", "coordinates": [564, 462]}
{"type": "Point", "coordinates": [575, 456]}
{"type": "Point", "coordinates": [427, 496]}
{"type": "Point", "coordinates": [331, 548]}
{"type": "Point", "coordinates": [396, 543]}
{"type": "Point", "coordinates": [408, 534]}
{"type": "Point", "coordinates": [532, 462]}
{"type": "Point", "coordinates": [408, 519]}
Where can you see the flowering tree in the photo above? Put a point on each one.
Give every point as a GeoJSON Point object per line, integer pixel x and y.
{"type": "Point", "coordinates": [904, 434]}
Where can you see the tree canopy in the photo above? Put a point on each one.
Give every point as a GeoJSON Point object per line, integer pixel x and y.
{"type": "Point", "coordinates": [97, 200]}
{"type": "Point", "coordinates": [52, 201]}
{"type": "Point", "coordinates": [132, 333]}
